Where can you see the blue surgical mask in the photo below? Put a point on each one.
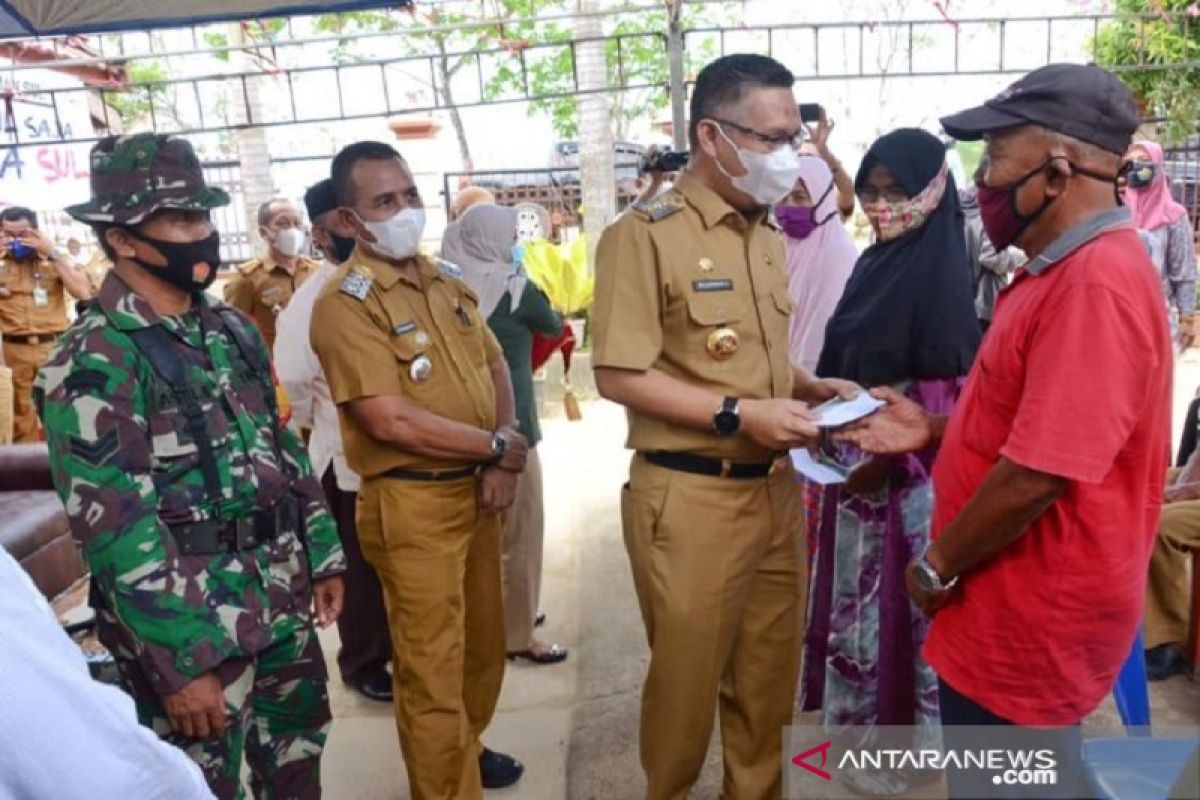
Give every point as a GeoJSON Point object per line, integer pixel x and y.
{"type": "Point", "coordinates": [21, 251]}
{"type": "Point", "coordinates": [517, 256]}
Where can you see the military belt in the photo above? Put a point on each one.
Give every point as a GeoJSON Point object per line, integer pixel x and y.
{"type": "Point", "coordinates": [32, 338]}
{"type": "Point", "coordinates": [211, 537]}
{"type": "Point", "coordinates": [714, 467]}
{"type": "Point", "coordinates": [433, 477]}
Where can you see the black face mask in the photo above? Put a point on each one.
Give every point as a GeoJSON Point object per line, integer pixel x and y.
{"type": "Point", "coordinates": [181, 258]}
{"type": "Point", "coordinates": [343, 247]}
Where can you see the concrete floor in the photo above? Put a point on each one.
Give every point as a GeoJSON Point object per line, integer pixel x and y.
{"type": "Point", "coordinates": [575, 724]}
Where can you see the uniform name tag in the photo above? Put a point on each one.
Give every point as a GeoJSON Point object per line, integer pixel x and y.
{"type": "Point", "coordinates": [404, 327]}
{"type": "Point", "coordinates": [716, 285]}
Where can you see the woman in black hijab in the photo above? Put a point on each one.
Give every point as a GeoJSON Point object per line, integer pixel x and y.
{"type": "Point", "coordinates": [907, 320]}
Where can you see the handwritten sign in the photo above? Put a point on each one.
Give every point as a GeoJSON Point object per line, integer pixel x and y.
{"type": "Point", "coordinates": [45, 174]}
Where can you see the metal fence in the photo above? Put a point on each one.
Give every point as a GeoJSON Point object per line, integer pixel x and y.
{"type": "Point", "coordinates": [555, 189]}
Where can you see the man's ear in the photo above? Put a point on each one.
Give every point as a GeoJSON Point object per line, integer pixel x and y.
{"type": "Point", "coordinates": [350, 219]}
{"type": "Point", "coordinates": [1058, 171]}
{"type": "Point", "coordinates": [121, 242]}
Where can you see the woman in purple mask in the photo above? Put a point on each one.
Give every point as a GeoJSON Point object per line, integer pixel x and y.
{"type": "Point", "coordinates": [820, 257]}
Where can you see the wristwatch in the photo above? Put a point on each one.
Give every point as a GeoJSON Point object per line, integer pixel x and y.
{"type": "Point", "coordinates": [499, 446]}
{"type": "Point", "coordinates": [727, 420]}
{"type": "Point", "coordinates": [928, 578]}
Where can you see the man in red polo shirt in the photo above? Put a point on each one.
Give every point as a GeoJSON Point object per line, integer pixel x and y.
{"type": "Point", "coordinates": [1050, 476]}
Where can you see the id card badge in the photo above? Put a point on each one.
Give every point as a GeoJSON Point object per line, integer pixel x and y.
{"type": "Point", "coordinates": [40, 298]}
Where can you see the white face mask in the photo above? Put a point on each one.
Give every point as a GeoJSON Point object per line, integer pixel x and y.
{"type": "Point", "coordinates": [398, 237]}
{"type": "Point", "coordinates": [290, 241]}
{"type": "Point", "coordinates": [769, 177]}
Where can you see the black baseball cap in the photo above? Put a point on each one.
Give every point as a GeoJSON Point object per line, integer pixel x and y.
{"type": "Point", "coordinates": [320, 199]}
{"type": "Point", "coordinates": [1082, 101]}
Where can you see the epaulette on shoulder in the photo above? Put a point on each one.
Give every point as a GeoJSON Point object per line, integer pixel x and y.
{"type": "Point", "coordinates": [660, 207]}
{"type": "Point", "coordinates": [357, 282]}
{"type": "Point", "coordinates": [248, 267]}
{"type": "Point", "coordinates": [448, 268]}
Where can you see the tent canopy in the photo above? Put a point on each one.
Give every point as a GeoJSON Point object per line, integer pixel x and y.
{"type": "Point", "coordinates": [62, 17]}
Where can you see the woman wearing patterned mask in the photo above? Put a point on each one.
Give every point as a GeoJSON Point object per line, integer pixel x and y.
{"type": "Point", "coordinates": [1167, 232]}
{"type": "Point", "coordinates": [906, 320]}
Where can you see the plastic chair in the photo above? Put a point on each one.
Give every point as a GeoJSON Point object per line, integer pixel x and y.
{"type": "Point", "coordinates": [1131, 692]}
{"type": "Point", "coordinates": [1137, 767]}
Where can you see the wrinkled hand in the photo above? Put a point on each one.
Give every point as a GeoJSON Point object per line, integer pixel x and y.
{"type": "Point", "coordinates": [899, 427]}
{"type": "Point", "coordinates": [779, 424]}
{"type": "Point", "coordinates": [517, 453]}
{"type": "Point", "coordinates": [497, 490]}
{"type": "Point", "coordinates": [819, 135]}
{"type": "Point", "coordinates": [328, 597]}
{"type": "Point", "coordinates": [928, 602]}
{"type": "Point", "coordinates": [198, 709]}
{"type": "Point", "coordinates": [828, 388]}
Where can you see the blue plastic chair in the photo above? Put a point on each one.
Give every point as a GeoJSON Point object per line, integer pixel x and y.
{"type": "Point", "coordinates": [1138, 767]}
{"type": "Point", "coordinates": [1131, 692]}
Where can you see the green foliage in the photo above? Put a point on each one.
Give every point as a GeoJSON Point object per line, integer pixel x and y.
{"type": "Point", "coordinates": [638, 58]}
{"type": "Point", "coordinates": [135, 103]}
{"type": "Point", "coordinates": [1160, 40]}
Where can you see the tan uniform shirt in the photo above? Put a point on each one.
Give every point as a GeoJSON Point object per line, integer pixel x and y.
{"type": "Point", "coordinates": [377, 333]}
{"type": "Point", "coordinates": [672, 277]}
{"type": "Point", "coordinates": [32, 297]}
{"type": "Point", "coordinates": [262, 289]}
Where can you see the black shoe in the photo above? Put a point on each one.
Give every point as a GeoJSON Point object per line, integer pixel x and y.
{"type": "Point", "coordinates": [497, 770]}
{"type": "Point", "coordinates": [376, 685]}
{"type": "Point", "coordinates": [1164, 661]}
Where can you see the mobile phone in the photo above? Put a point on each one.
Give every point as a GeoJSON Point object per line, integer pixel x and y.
{"type": "Point", "coordinates": [810, 112]}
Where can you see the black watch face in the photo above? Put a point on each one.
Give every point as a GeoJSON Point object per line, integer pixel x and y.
{"type": "Point", "coordinates": [726, 423]}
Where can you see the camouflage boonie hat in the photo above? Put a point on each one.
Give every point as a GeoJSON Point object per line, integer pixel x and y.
{"type": "Point", "coordinates": [134, 176]}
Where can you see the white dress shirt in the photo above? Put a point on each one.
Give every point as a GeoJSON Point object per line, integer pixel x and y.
{"type": "Point", "coordinates": [62, 734]}
{"type": "Point", "coordinates": [304, 381]}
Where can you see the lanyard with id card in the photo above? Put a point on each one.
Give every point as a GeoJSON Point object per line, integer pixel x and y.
{"type": "Point", "coordinates": [41, 298]}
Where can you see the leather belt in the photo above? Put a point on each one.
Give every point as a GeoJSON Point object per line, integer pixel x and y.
{"type": "Point", "coordinates": [214, 536]}
{"type": "Point", "coordinates": [433, 477]}
{"type": "Point", "coordinates": [713, 467]}
{"type": "Point", "coordinates": [31, 338]}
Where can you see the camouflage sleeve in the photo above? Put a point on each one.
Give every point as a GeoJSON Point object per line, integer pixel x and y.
{"type": "Point", "coordinates": [94, 415]}
{"type": "Point", "coordinates": [325, 556]}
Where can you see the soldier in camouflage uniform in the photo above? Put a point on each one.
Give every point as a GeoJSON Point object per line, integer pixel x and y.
{"type": "Point", "coordinates": [209, 543]}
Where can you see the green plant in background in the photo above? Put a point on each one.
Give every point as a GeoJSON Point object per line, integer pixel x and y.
{"type": "Point", "coordinates": [637, 59]}
{"type": "Point", "coordinates": [970, 153]}
{"type": "Point", "coordinates": [561, 271]}
{"type": "Point", "coordinates": [1170, 34]}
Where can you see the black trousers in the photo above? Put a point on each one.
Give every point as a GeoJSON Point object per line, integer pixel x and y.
{"type": "Point", "coordinates": [962, 722]}
{"type": "Point", "coordinates": [363, 625]}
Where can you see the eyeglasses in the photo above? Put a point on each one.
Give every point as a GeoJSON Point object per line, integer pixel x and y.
{"type": "Point", "coordinates": [892, 194]}
{"type": "Point", "coordinates": [793, 139]}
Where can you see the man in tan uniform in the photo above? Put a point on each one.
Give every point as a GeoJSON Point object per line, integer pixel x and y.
{"type": "Point", "coordinates": [428, 422]}
{"type": "Point", "coordinates": [264, 285]}
{"type": "Point", "coordinates": [691, 327]}
{"type": "Point", "coordinates": [35, 277]}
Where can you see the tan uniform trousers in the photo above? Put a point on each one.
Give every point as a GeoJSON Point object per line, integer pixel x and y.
{"type": "Point", "coordinates": [1169, 588]}
{"type": "Point", "coordinates": [25, 360]}
{"type": "Point", "coordinates": [720, 577]}
{"type": "Point", "coordinates": [438, 559]}
{"type": "Point", "coordinates": [524, 529]}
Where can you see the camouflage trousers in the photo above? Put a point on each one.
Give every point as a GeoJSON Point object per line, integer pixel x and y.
{"type": "Point", "coordinates": [278, 717]}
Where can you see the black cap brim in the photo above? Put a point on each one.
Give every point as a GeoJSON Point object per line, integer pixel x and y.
{"type": "Point", "coordinates": [972, 124]}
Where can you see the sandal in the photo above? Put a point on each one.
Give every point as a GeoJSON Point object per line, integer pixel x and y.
{"type": "Point", "coordinates": [549, 655]}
